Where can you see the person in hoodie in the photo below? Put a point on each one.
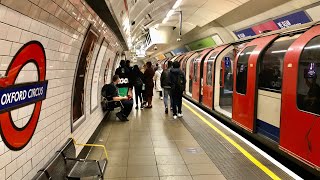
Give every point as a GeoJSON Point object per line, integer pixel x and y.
{"type": "Point", "coordinates": [177, 81]}
{"type": "Point", "coordinates": [165, 84]}
{"type": "Point", "coordinates": [156, 78]}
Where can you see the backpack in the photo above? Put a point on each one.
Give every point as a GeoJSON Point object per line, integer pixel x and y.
{"type": "Point", "coordinates": [181, 83]}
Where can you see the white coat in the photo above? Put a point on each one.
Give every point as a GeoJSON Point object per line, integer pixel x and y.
{"type": "Point", "coordinates": [157, 79]}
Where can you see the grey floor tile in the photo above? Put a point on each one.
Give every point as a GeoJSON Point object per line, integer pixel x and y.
{"type": "Point", "coordinates": [173, 170]}
{"type": "Point", "coordinates": [142, 171]}
{"type": "Point", "coordinates": [176, 178]}
{"type": "Point", "coordinates": [203, 169]}
{"type": "Point", "coordinates": [142, 161]}
{"type": "Point", "coordinates": [170, 160]}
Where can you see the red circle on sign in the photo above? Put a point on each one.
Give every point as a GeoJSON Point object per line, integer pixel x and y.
{"type": "Point", "coordinates": [17, 138]}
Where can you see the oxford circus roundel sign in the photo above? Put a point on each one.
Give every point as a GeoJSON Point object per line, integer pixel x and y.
{"type": "Point", "coordinates": [14, 96]}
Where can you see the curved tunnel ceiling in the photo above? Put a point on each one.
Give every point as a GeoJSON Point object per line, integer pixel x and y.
{"type": "Point", "coordinates": [101, 8]}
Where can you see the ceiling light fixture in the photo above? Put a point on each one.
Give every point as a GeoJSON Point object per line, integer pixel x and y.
{"type": "Point", "coordinates": [177, 4]}
{"type": "Point", "coordinates": [170, 13]}
{"type": "Point", "coordinates": [165, 20]}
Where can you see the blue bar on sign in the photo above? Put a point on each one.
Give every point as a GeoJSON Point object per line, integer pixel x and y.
{"type": "Point", "coordinates": [16, 96]}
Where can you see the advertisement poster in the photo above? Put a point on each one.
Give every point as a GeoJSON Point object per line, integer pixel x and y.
{"type": "Point", "coordinates": [96, 75]}
{"type": "Point", "coordinates": [86, 56]}
{"type": "Point", "coordinates": [270, 25]}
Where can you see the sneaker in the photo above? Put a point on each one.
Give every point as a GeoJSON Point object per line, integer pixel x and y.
{"type": "Point", "coordinates": [180, 115]}
{"type": "Point", "coordinates": [120, 116]}
{"type": "Point", "coordinates": [166, 110]}
{"type": "Point", "coordinates": [141, 107]}
{"type": "Point", "coordinates": [174, 116]}
{"type": "Point", "coordinates": [161, 98]}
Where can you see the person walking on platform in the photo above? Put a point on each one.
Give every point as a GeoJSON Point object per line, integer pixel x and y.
{"type": "Point", "coordinates": [165, 84]}
{"type": "Point", "coordinates": [157, 77]}
{"type": "Point", "coordinates": [111, 93]}
{"type": "Point", "coordinates": [178, 85]}
{"type": "Point", "coordinates": [148, 74]}
{"type": "Point", "coordinates": [138, 79]}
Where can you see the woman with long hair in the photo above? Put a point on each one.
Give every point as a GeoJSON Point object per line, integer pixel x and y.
{"type": "Point", "coordinates": [148, 74]}
{"type": "Point", "coordinates": [138, 81]}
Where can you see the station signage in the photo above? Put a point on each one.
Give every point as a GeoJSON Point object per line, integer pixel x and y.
{"type": "Point", "coordinates": [22, 95]}
{"type": "Point", "coordinates": [293, 19]}
{"type": "Point", "coordinates": [296, 18]}
{"type": "Point", "coordinates": [13, 96]}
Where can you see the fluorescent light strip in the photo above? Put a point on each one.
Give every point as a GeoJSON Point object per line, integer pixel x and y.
{"type": "Point", "coordinates": [264, 154]}
{"type": "Point", "coordinates": [170, 13]}
{"type": "Point", "coordinates": [177, 4]}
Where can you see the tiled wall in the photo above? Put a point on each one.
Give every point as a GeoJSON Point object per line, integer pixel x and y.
{"type": "Point", "coordinates": [60, 25]}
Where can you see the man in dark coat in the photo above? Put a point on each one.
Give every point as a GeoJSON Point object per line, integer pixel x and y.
{"type": "Point", "coordinates": [178, 85]}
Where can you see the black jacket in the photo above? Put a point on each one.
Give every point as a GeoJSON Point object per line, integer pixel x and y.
{"type": "Point", "coordinates": [125, 76]}
{"type": "Point", "coordinates": [173, 79]}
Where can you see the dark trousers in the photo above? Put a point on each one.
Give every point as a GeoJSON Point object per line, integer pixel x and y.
{"type": "Point", "coordinates": [138, 94]}
{"type": "Point", "coordinates": [177, 102]}
{"type": "Point", "coordinates": [127, 107]}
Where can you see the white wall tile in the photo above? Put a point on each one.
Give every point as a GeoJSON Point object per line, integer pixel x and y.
{"type": "Point", "coordinates": [11, 168]}
{"type": "Point", "coordinates": [11, 17]}
{"type": "Point", "coordinates": [5, 47]}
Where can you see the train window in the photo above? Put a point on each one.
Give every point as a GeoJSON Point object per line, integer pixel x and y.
{"type": "Point", "coordinates": [226, 77]}
{"type": "Point", "coordinates": [242, 70]}
{"type": "Point", "coordinates": [195, 70]}
{"type": "Point", "coordinates": [271, 65]}
{"type": "Point", "coordinates": [210, 69]}
{"type": "Point", "coordinates": [308, 89]}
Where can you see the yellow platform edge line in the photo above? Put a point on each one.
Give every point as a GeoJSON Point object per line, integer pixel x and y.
{"type": "Point", "coordinates": [236, 145]}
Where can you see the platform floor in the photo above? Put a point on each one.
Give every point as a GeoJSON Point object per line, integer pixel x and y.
{"type": "Point", "coordinates": [154, 146]}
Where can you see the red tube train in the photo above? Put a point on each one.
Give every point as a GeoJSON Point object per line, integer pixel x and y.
{"type": "Point", "coordinates": [268, 86]}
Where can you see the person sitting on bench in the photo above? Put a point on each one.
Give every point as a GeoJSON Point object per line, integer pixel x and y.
{"type": "Point", "coordinates": [112, 94]}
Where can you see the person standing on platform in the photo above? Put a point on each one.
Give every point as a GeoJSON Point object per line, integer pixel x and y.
{"type": "Point", "coordinates": [157, 77]}
{"type": "Point", "coordinates": [138, 79]}
{"type": "Point", "coordinates": [148, 75]}
{"type": "Point", "coordinates": [125, 82]}
{"type": "Point", "coordinates": [178, 85]}
{"type": "Point", "coordinates": [165, 84]}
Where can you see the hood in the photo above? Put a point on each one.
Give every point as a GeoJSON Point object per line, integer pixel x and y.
{"type": "Point", "coordinates": [175, 70]}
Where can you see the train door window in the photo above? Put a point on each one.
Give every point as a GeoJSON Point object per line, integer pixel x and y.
{"type": "Point", "coordinates": [195, 70]}
{"type": "Point", "coordinates": [210, 68]}
{"type": "Point", "coordinates": [242, 70]}
{"type": "Point", "coordinates": [271, 64]}
{"type": "Point", "coordinates": [308, 89]}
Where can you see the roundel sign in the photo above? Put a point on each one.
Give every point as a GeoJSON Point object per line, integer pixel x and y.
{"type": "Point", "coordinates": [14, 96]}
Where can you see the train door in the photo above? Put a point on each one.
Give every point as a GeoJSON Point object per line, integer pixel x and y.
{"type": "Point", "coordinates": [245, 86]}
{"type": "Point", "coordinates": [223, 80]}
{"type": "Point", "coordinates": [197, 75]}
{"type": "Point", "coordinates": [184, 61]}
{"type": "Point", "coordinates": [270, 68]}
{"type": "Point", "coordinates": [300, 106]}
{"type": "Point", "coordinates": [208, 76]}
{"type": "Point", "coordinates": [189, 73]}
